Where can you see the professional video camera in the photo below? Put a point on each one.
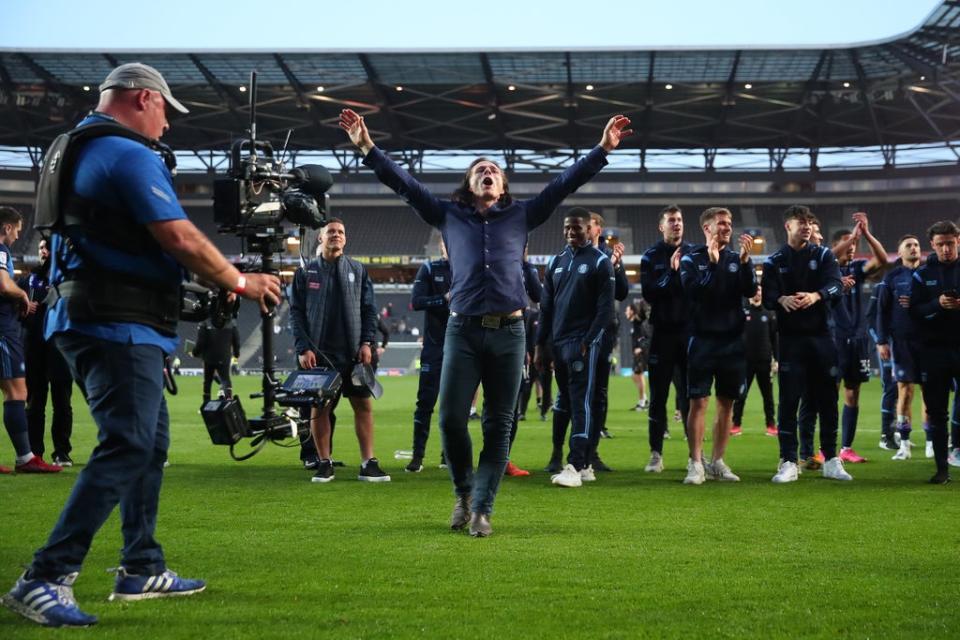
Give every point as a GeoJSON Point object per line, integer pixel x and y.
{"type": "Point", "coordinates": [253, 202]}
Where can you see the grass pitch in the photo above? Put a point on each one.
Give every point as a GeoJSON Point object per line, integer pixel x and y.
{"type": "Point", "coordinates": [634, 555]}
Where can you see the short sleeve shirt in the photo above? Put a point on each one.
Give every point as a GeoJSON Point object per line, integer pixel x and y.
{"type": "Point", "coordinates": [126, 176]}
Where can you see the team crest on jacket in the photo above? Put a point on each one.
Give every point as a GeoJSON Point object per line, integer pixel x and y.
{"type": "Point", "coordinates": [582, 269]}
{"type": "Point", "coordinates": [733, 267]}
{"type": "Point", "coordinates": [813, 265]}
{"type": "Point", "coordinates": [351, 277]}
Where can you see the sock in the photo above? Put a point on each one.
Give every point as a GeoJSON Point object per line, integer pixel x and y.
{"type": "Point", "coordinates": [15, 420]}
{"type": "Point", "coordinates": [560, 420]}
{"type": "Point", "coordinates": [849, 421]}
{"type": "Point", "coordinates": [926, 431]}
{"type": "Point", "coordinates": [903, 426]}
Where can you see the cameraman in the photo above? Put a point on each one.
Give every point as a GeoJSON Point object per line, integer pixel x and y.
{"type": "Point", "coordinates": [125, 249]}
{"type": "Point", "coordinates": [334, 316]}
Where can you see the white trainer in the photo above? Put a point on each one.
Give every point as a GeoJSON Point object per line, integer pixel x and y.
{"type": "Point", "coordinates": [569, 477]}
{"type": "Point", "coordinates": [833, 470]}
{"type": "Point", "coordinates": [718, 470]}
{"type": "Point", "coordinates": [587, 474]}
{"type": "Point", "coordinates": [786, 472]}
{"type": "Point", "coordinates": [656, 463]}
{"type": "Point", "coordinates": [904, 452]}
{"type": "Point", "coordinates": [695, 473]}
{"type": "Point", "coordinates": [928, 449]}
{"type": "Point", "coordinates": [954, 458]}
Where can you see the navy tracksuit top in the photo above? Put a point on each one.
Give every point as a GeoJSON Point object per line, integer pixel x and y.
{"type": "Point", "coordinates": [577, 304]}
{"type": "Point", "coordinates": [715, 292]}
{"type": "Point", "coordinates": [810, 269]}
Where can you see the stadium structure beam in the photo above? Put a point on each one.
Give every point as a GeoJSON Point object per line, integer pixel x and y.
{"type": "Point", "coordinates": [570, 105]}
{"type": "Point", "coordinates": [709, 159]}
{"type": "Point", "coordinates": [232, 102]}
{"type": "Point", "coordinates": [647, 113]}
{"type": "Point", "coordinates": [494, 98]}
{"type": "Point", "coordinates": [919, 65]}
{"type": "Point", "coordinates": [22, 126]}
{"type": "Point", "coordinates": [814, 151]}
{"type": "Point", "coordinates": [482, 136]}
{"type": "Point", "coordinates": [808, 88]}
{"type": "Point", "coordinates": [727, 101]}
{"type": "Point", "coordinates": [521, 109]}
{"type": "Point", "coordinates": [864, 87]}
{"type": "Point", "coordinates": [79, 101]}
{"type": "Point", "coordinates": [300, 90]}
{"type": "Point", "coordinates": [933, 125]}
{"type": "Point", "coordinates": [374, 80]}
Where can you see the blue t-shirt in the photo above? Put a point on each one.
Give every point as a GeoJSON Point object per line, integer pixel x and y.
{"type": "Point", "coordinates": [9, 308]}
{"type": "Point", "coordinates": [126, 176]}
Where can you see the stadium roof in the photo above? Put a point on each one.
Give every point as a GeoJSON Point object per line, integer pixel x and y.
{"type": "Point", "coordinates": [905, 91]}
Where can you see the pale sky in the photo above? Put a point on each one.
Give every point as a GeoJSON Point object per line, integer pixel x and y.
{"type": "Point", "coordinates": [482, 25]}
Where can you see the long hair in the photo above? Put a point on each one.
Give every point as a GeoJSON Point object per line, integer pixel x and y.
{"type": "Point", "coordinates": [463, 195]}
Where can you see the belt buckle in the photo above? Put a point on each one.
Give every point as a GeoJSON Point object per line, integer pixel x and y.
{"type": "Point", "coordinates": [490, 322]}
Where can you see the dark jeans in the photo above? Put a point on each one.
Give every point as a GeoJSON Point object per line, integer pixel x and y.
{"type": "Point", "coordinates": [526, 387]}
{"type": "Point", "coordinates": [760, 371]}
{"type": "Point", "coordinates": [668, 351]}
{"type": "Point", "coordinates": [222, 371]}
{"type": "Point", "coordinates": [808, 367]}
{"type": "Point", "coordinates": [939, 366]}
{"type": "Point", "coordinates": [47, 371]}
{"type": "Point", "coordinates": [473, 354]}
{"type": "Point", "coordinates": [431, 363]}
{"type": "Point", "coordinates": [123, 385]}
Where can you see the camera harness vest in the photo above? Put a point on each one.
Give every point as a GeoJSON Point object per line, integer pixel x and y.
{"type": "Point", "coordinates": [96, 293]}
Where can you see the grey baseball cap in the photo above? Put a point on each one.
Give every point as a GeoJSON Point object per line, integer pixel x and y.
{"type": "Point", "coordinates": [136, 75]}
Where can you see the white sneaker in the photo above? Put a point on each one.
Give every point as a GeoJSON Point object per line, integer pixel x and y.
{"type": "Point", "coordinates": [695, 473]}
{"type": "Point", "coordinates": [954, 458]}
{"type": "Point", "coordinates": [656, 463]}
{"type": "Point", "coordinates": [587, 474]}
{"type": "Point", "coordinates": [833, 470]}
{"type": "Point", "coordinates": [718, 470]}
{"type": "Point", "coordinates": [904, 452]}
{"type": "Point", "coordinates": [569, 477]}
{"type": "Point", "coordinates": [786, 472]}
{"type": "Point", "coordinates": [928, 449]}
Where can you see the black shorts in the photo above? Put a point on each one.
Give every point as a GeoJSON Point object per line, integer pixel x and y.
{"type": "Point", "coordinates": [903, 354]}
{"type": "Point", "coordinates": [11, 358]}
{"type": "Point", "coordinates": [720, 359]}
{"type": "Point", "coordinates": [853, 361]}
{"type": "Point", "coordinates": [640, 361]}
{"type": "Point", "coordinates": [347, 388]}
{"type": "Point", "coordinates": [350, 390]}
